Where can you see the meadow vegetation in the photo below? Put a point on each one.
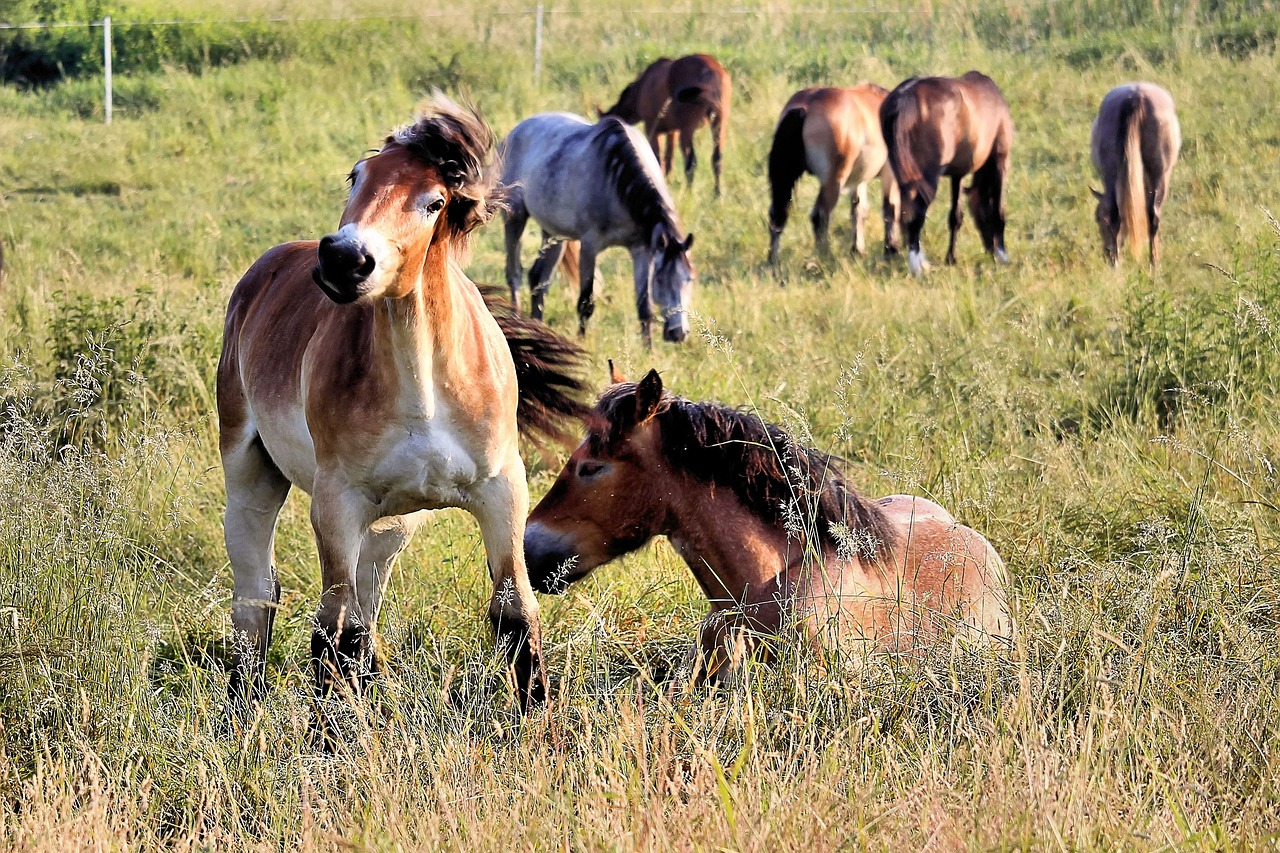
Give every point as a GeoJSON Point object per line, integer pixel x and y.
{"type": "Point", "coordinates": [1112, 432]}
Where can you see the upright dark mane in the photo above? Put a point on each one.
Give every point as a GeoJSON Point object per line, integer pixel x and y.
{"type": "Point", "coordinates": [783, 482]}
{"type": "Point", "coordinates": [643, 198]}
{"type": "Point", "coordinates": [455, 140]}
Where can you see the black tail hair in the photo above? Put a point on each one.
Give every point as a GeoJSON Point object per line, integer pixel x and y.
{"type": "Point", "coordinates": [786, 164]}
{"type": "Point", "coordinates": [548, 373]}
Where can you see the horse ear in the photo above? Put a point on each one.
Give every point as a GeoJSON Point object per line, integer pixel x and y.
{"type": "Point", "coordinates": [1096, 193]}
{"type": "Point", "coordinates": [648, 395]}
{"type": "Point", "coordinates": [615, 375]}
{"type": "Point", "coordinates": [658, 239]}
{"type": "Point", "coordinates": [688, 243]}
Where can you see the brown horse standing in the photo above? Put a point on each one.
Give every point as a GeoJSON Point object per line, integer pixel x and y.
{"type": "Point", "coordinates": [1135, 142]}
{"type": "Point", "coordinates": [775, 536]}
{"type": "Point", "coordinates": [367, 370]}
{"type": "Point", "coordinates": [678, 96]}
{"type": "Point", "coordinates": [949, 126]}
{"type": "Point", "coordinates": [834, 134]}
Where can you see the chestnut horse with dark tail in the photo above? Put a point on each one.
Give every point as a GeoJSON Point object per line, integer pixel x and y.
{"type": "Point", "coordinates": [1135, 142]}
{"type": "Point", "coordinates": [676, 97]}
{"type": "Point", "coordinates": [368, 370]}
{"type": "Point", "coordinates": [938, 127]}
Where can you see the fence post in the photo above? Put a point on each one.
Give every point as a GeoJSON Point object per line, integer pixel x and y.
{"type": "Point", "coordinates": [106, 63]}
{"type": "Point", "coordinates": [537, 45]}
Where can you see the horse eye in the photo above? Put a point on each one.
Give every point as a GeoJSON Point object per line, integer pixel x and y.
{"type": "Point", "coordinates": [436, 205]}
{"type": "Point", "coordinates": [588, 468]}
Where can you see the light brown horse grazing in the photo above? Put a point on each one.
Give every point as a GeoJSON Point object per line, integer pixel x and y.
{"type": "Point", "coordinates": [1135, 142]}
{"type": "Point", "coordinates": [949, 126]}
{"type": "Point", "coordinates": [834, 135]}
{"type": "Point", "coordinates": [778, 540]}
{"type": "Point", "coordinates": [367, 370]}
{"type": "Point", "coordinates": [676, 97]}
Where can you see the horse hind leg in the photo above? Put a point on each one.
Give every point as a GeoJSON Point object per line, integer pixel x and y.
{"type": "Point", "coordinates": [1155, 203]}
{"type": "Point", "coordinates": [256, 490]}
{"type": "Point", "coordinates": [954, 220]}
{"type": "Point", "coordinates": [717, 143]}
{"type": "Point", "coordinates": [820, 216]}
{"type": "Point", "coordinates": [540, 273]}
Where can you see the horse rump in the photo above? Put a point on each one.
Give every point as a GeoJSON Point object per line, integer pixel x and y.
{"type": "Point", "coordinates": [548, 373]}
{"type": "Point", "coordinates": [899, 116]}
{"type": "Point", "coordinates": [787, 162]}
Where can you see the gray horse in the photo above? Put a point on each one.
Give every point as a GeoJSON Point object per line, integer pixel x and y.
{"type": "Point", "coordinates": [599, 184]}
{"type": "Point", "coordinates": [1135, 143]}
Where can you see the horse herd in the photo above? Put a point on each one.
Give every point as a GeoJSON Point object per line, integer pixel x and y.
{"type": "Point", "coordinates": [367, 370]}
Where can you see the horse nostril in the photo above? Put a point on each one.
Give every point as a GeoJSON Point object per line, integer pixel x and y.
{"type": "Point", "coordinates": [366, 267]}
{"type": "Point", "coordinates": [675, 336]}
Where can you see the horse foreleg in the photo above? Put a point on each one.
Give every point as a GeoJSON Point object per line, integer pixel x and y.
{"type": "Point", "coordinates": [342, 643]}
{"type": "Point", "coordinates": [256, 490]}
{"type": "Point", "coordinates": [501, 504]}
{"type": "Point", "coordinates": [513, 231]}
{"type": "Point", "coordinates": [586, 285]}
{"type": "Point", "coordinates": [890, 210]}
{"type": "Point", "coordinates": [954, 220]}
{"type": "Point", "coordinates": [858, 217]}
{"type": "Point", "coordinates": [541, 272]}
{"type": "Point", "coordinates": [382, 544]}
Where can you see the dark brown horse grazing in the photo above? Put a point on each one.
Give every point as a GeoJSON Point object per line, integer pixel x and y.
{"type": "Point", "coordinates": [1135, 142]}
{"type": "Point", "coordinates": [777, 538]}
{"type": "Point", "coordinates": [949, 126]}
{"type": "Point", "coordinates": [678, 96]}
{"type": "Point", "coordinates": [833, 134]}
{"type": "Point", "coordinates": [367, 370]}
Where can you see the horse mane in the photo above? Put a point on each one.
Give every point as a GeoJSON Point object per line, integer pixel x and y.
{"type": "Point", "coordinates": [785, 483]}
{"type": "Point", "coordinates": [457, 142]}
{"type": "Point", "coordinates": [647, 203]}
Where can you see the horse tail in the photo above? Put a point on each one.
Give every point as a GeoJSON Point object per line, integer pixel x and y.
{"type": "Point", "coordinates": [548, 373]}
{"type": "Point", "coordinates": [899, 116]}
{"type": "Point", "coordinates": [1131, 192]}
{"type": "Point", "coordinates": [787, 162]}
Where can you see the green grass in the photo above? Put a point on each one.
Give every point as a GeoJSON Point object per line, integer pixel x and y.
{"type": "Point", "coordinates": [1111, 431]}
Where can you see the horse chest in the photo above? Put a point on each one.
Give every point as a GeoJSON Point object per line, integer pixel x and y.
{"type": "Point", "coordinates": [424, 464]}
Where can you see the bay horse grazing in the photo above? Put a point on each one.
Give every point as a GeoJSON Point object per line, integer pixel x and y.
{"type": "Point", "coordinates": [598, 184]}
{"type": "Point", "coordinates": [777, 538]}
{"type": "Point", "coordinates": [367, 370]}
{"type": "Point", "coordinates": [834, 135]}
{"type": "Point", "coordinates": [1135, 142]}
{"type": "Point", "coordinates": [675, 97]}
{"type": "Point", "coordinates": [939, 127]}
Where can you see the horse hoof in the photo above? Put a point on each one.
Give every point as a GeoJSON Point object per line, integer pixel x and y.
{"type": "Point", "coordinates": [1002, 257]}
{"type": "Point", "coordinates": [917, 264]}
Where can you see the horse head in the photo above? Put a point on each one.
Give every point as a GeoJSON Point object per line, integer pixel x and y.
{"type": "Point", "coordinates": [673, 277]}
{"type": "Point", "coordinates": [425, 187]}
{"type": "Point", "coordinates": [608, 499]}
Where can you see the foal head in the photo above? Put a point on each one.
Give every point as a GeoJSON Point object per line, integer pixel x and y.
{"type": "Point", "coordinates": [610, 498]}
{"type": "Point", "coordinates": [427, 184]}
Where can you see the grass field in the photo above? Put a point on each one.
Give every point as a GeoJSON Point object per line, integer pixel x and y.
{"type": "Point", "coordinates": [1113, 432]}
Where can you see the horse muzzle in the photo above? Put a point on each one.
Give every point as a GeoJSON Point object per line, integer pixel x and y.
{"type": "Point", "coordinates": [550, 559]}
{"type": "Point", "coordinates": [676, 329]}
{"type": "Point", "coordinates": [343, 268]}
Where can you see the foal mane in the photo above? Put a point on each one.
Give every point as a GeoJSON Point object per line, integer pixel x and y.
{"type": "Point", "coordinates": [785, 483]}
{"type": "Point", "coordinates": [456, 141]}
{"type": "Point", "coordinates": [647, 203]}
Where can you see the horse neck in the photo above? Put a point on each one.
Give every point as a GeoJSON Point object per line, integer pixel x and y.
{"type": "Point", "coordinates": [732, 552]}
{"type": "Point", "coordinates": [411, 329]}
